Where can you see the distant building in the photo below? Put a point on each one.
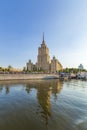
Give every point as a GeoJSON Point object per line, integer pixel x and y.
{"type": "Point", "coordinates": [30, 66]}
{"type": "Point", "coordinates": [43, 61]}
{"type": "Point", "coordinates": [81, 67]}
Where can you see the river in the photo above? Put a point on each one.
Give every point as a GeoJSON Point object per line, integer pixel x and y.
{"type": "Point", "coordinates": [43, 105]}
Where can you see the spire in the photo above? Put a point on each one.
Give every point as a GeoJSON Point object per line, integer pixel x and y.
{"type": "Point", "coordinates": [43, 38]}
{"type": "Point", "coordinates": [43, 42]}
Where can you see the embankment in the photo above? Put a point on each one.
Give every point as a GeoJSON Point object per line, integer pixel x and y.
{"type": "Point", "coordinates": [27, 76]}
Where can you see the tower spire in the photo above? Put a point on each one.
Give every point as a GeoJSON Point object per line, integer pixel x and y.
{"type": "Point", "coordinates": [43, 37]}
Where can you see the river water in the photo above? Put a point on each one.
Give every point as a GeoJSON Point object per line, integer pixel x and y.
{"type": "Point", "coordinates": [43, 105]}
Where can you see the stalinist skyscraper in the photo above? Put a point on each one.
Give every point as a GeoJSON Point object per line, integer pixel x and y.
{"type": "Point", "coordinates": [44, 64]}
{"type": "Point", "coordinates": [43, 58]}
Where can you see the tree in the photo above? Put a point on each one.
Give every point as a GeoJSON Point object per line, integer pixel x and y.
{"type": "Point", "coordinates": [9, 68]}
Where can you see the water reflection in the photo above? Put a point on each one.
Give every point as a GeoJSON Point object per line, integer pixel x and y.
{"type": "Point", "coordinates": [1, 88]}
{"type": "Point", "coordinates": [6, 87]}
{"type": "Point", "coordinates": [43, 105]}
{"type": "Point", "coordinates": [44, 91]}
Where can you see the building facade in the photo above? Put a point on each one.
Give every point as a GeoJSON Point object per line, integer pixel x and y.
{"type": "Point", "coordinates": [43, 58]}
{"type": "Point", "coordinates": [81, 67]}
{"type": "Point", "coordinates": [43, 61]}
{"type": "Point", "coordinates": [55, 65]}
{"type": "Point", "coordinates": [29, 66]}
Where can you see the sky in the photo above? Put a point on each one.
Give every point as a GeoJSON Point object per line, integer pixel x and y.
{"type": "Point", "coordinates": [22, 23]}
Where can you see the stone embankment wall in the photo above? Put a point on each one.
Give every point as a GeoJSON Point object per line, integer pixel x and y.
{"type": "Point", "coordinates": [27, 76]}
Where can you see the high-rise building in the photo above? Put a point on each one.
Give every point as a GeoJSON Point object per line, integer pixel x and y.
{"type": "Point", "coordinates": [43, 58]}
{"type": "Point", "coordinates": [43, 61]}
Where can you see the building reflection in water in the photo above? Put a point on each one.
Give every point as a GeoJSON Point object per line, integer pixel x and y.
{"type": "Point", "coordinates": [45, 88]}
{"type": "Point", "coordinates": [1, 88]}
{"type": "Point", "coordinates": [56, 89]}
{"type": "Point", "coordinates": [6, 87]}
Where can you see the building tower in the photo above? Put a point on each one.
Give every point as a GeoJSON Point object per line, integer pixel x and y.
{"type": "Point", "coordinates": [55, 65]}
{"type": "Point", "coordinates": [81, 67]}
{"type": "Point", "coordinates": [43, 58]}
{"type": "Point", "coordinates": [29, 66]}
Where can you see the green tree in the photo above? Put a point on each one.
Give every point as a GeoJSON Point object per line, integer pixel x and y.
{"type": "Point", "coordinates": [9, 68]}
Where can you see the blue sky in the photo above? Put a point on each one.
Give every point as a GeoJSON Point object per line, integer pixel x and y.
{"type": "Point", "coordinates": [22, 23]}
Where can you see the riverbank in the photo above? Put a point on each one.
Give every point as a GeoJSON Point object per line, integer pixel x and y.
{"type": "Point", "coordinates": [27, 76]}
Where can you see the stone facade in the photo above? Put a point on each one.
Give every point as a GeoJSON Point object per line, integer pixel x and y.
{"type": "Point", "coordinates": [43, 61]}
{"type": "Point", "coordinates": [55, 65]}
{"type": "Point", "coordinates": [43, 58]}
{"type": "Point", "coordinates": [30, 66]}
